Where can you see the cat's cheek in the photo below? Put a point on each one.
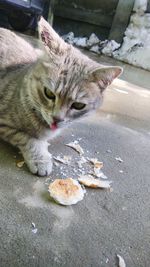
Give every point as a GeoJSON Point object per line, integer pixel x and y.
{"type": "Point", "coordinates": [47, 117]}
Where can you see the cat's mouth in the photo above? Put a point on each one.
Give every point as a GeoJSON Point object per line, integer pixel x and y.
{"type": "Point", "coordinates": [54, 126]}
{"type": "Point", "coordinates": [58, 124]}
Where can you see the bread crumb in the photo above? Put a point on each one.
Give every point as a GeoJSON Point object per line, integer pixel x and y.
{"type": "Point", "coordinates": [92, 182]}
{"type": "Point", "coordinates": [121, 261]}
{"type": "Point", "coordinates": [75, 145]}
{"type": "Point", "coordinates": [20, 163]}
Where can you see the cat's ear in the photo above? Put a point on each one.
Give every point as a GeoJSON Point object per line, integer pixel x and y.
{"type": "Point", "coordinates": [53, 43]}
{"type": "Point", "coordinates": [104, 76]}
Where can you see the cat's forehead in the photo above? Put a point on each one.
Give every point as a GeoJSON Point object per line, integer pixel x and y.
{"type": "Point", "coordinates": [71, 77]}
{"type": "Point", "coordinates": [76, 89]}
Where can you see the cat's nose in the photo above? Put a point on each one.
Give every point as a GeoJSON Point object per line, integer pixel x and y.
{"type": "Point", "coordinates": [57, 119]}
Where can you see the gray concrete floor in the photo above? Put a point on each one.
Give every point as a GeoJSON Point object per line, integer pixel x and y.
{"type": "Point", "coordinates": [103, 224]}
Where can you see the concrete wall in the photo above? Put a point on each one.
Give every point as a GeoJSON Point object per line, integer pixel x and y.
{"type": "Point", "coordinates": [107, 6]}
{"type": "Point", "coordinates": [85, 16]}
{"type": "Point", "coordinates": [107, 18]}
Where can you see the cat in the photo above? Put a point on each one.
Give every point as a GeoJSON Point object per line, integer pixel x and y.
{"type": "Point", "coordinates": [42, 90]}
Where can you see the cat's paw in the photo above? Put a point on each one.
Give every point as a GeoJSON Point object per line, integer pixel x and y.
{"type": "Point", "coordinates": [37, 157]}
{"type": "Point", "coordinates": [42, 166]}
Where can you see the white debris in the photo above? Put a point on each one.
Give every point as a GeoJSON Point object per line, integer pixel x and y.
{"type": "Point", "coordinates": [81, 162]}
{"type": "Point", "coordinates": [69, 38]}
{"type": "Point", "coordinates": [121, 261]}
{"type": "Point", "coordinates": [75, 145]}
{"type": "Point", "coordinates": [97, 164]}
{"type": "Point", "coordinates": [97, 167]}
{"type": "Point", "coordinates": [108, 151]}
{"type": "Point", "coordinates": [119, 159]}
{"type": "Point", "coordinates": [97, 172]}
{"type": "Point", "coordinates": [95, 49]}
{"type": "Point", "coordinates": [90, 181]}
{"type": "Point", "coordinates": [135, 48]}
{"type": "Point", "coordinates": [110, 47]}
{"type": "Point", "coordinates": [102, 175]}
{"type": "Point", "coordinates": [136, 43]}
{"type": "Point", "coordinates": [56, 164]}
{"type": "Point", "coordinates": [33, 224]}
{"type": "Point", "coordinates": [93, 40]}
{"type": "Point", "coordinates": [107, 260]}
{"type": "Point", "coordinates": [92, 43]}
{"type": "Point", "coordinates": [80, 41]}
{"type": "Point", "coordinates": [20, 163]}
{"type": "Point", "coordinates": [121, 171]}
{"type": "Point", "coordinates": [65, 160]}
{"type": "Point", "coordinates": [140, 6]}
{"type": "Point", "coordinates": [34, 230]}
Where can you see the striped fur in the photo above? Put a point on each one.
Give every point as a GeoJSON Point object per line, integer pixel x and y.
{"type": "Point", "coordinates": [26, 114]}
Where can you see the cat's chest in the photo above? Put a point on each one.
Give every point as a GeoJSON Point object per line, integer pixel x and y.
{"type": "Point", "coordinates": [48, 134]}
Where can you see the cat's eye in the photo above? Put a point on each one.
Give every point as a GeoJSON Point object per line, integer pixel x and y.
{"type": "Point", "coordinates": [78, 105]}
{"type": "Point", "coordinates": [49, 94]}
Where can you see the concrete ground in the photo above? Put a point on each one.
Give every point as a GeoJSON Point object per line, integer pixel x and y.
{"type": "Point", "coordinates": [104, 223]}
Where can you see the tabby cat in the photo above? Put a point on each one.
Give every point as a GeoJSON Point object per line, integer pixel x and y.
{"type": "Point", "coordinates": [42, 90]}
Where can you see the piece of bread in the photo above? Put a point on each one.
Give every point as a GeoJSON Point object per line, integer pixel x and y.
{"type": "Point", "coordinates": [90, 181]}
{"type": "Point", "coordinates": [66, 191]}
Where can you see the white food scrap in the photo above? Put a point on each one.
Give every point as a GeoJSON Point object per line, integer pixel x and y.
{"type": "Point", "coordinates": [56, 163]}
{"type": "Point", "coordinates": [20, 163]}
{"type": "Point", "coordinates": [121, 261]}
{"type": "Point", "coordinates": [75, 145]}
{"type": "Point", "coordinates": [33, 224]}
{"type": "Point", "coordinates": [34, 230]}
{"type": "Point", "coordinates": [92, 182]}
{"type": "Point", "coordinates": [97, 172]}
{"type": "Point", "coordinates": [107, 260]}
{"type": "Point", "coordinates": [108, 151]}
{"type": "Point", "coordinates": [97, 164]}
{"type": "Point", "coordinates": [102, 175]}
{"type": "Point", "coordinates": [119, 159]}
{"type": "Point", "coordinates": [65, 160]}
{"type": "Point", "coordinates": [66, 191]}
{"type": "Point", "coordinates": [81, 161]}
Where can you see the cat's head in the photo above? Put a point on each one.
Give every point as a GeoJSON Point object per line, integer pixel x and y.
{"type": "Point", "coordinates": [69, 84]}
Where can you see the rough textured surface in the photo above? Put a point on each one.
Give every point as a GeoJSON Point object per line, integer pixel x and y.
{"type": "Point", "coordinates": [105, 223]}
{"type": "Point", "coordinates": [136, 42]}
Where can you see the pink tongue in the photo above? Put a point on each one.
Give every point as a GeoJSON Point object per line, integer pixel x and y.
{"type": "Point", "coordinates": [53, 126]}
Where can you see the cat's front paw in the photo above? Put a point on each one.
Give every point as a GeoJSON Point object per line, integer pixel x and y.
{"type": "Point", "coordinates": [41, 167]}
{"type": "Point", "coordinates": [37, 157]}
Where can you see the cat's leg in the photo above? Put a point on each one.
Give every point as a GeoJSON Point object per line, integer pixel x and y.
{"type": "Point", "coordinates": [37, 157]}
{"type": "Point", "coordinates": [35, 151]}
